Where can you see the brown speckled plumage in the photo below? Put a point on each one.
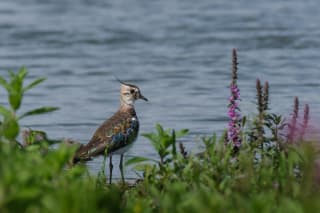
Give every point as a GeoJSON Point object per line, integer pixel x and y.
{"type": "Point", "coordinates": [117, 133]}
{"type": "Point", "coordinates": [102, 138]}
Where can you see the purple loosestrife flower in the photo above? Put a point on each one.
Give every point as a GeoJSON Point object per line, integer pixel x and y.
{"type": "Point", "coordinates": [305, 121]}
{"type": "Point", "coordinates": [234, 116]}
{"type": "Point", "coordinates": [293, 123]}
{"type": "Point", "coordinates": [234, 111]}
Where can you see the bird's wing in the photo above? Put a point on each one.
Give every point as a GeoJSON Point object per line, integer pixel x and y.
{"type": "Point", "coordinates": [110, 136]}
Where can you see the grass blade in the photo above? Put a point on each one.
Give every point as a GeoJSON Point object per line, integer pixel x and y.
{"type": "Point", "coordinates": [136, 160]}
{"type": "Point", "coordinates": [39, 111]}
{"type": "Point", "coordinates": [34, 83]}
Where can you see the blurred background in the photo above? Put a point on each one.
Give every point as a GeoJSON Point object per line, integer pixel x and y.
{"type": "Point", "coordinates": [177, 52]}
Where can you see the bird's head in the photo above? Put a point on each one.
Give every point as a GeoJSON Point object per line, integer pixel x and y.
{"type": "Point", "coordinates": [129, 94]}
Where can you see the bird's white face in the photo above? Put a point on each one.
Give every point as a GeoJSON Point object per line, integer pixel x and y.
{"type": "Point", "coordinates": [129, 94]}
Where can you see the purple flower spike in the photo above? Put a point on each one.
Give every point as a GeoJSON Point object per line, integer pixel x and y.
{"type": "Point", "coordinates": [233, 111]}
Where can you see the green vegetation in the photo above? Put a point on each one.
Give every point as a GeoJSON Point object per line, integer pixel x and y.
{"type": "Point", "coordinates": [269, 172]}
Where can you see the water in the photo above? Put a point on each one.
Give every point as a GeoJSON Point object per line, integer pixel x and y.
{"type": "Point", "coordinates": [177, 52]}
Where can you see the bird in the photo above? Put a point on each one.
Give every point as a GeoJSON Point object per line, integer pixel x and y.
{"type": "Point", "coordinates": [116, 134]}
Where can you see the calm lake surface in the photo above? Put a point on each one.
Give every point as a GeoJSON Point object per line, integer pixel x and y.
{"type": "Point", "coordinates": [177, 52]}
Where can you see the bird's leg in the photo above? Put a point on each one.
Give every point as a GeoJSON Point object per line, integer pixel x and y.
{"type": "Point", "coordinates": [121, 168]}
{"type": "Point", "coordinates": [110, 167]}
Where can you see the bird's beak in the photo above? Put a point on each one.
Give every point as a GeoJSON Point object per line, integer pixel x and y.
{"type": "Point", "coordinates": [143, 98]}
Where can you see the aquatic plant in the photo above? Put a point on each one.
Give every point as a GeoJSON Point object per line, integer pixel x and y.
{"type": "Point", "coordinates": [234, 125]}
{"type": "Point", "coordinates": [9, 128]}
{"type": "Point", "coordinates": [305, 121]}
{"type": "Point", "coordinates": [292, 126]}
{"type": "Point", "coordinates": [297, 126]}
{"type": "Point", "coordinates": [261, 108]}
{"type": "Point", "coordinates": [32, 180]}
{"type": "Point", "coordinates": [266, 96]}
{"type": "Point", "coordinates": [257, 133]}
{"type": "Point", "coordinates": [175, 180]}
{"type": "Point", "coordinates": [164, 142]}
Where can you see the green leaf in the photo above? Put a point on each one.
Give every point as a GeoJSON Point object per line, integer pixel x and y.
{"type": "Point", "coordinates": [22, 73]}
{"type": "Point", "coordinates": [10, 128]}
{"type": "Point", "coordinates": [5, 112]}
{"type": "Point", "coordinates": [33, 147]}
{"type": "Point", "coordinates": [174, 149]}
{"type": "Point", "coordinates": [163, 153]}
{"type": "Point", "coordinates": [28, 193]}
{"type": "Point", "coordinates": [166, 141]}
{"type": "Point", "coordinates": [151, 136]}
{"type": "Point", "coordinates": [243, 121]}
{"type": "Point", "coordinates": [142, 167]}
{"type": "Point", "coordinates": [15, 99]}
{"type": "Point", "coordinates": [39, 111]}
{"type": "Point", "coordinates": [154, 139]}
{"type": "Point", "coordinates": [4, 83]}
{"type": "Point", "coordinates": [15, 89]}
{"type": "Point", "coordinates": [136, 159]}
{"type": "Point", "coordinates": [181, 133]}
{"type": "Point", "coordinates": [16, 83]}
{"type": "Point", "coordinates": [34, 83]}
{"type": "Point", "coordinates": [160, 129]}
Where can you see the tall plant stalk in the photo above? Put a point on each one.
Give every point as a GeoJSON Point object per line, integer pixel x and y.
{"type": "Point", "coordinates": [293, 123]}
{"type": "Point", "coordinates": [234, 125]}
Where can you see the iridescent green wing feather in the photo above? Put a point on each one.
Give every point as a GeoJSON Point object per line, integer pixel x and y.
{"type": "Point", "coordinates": [118, 131]}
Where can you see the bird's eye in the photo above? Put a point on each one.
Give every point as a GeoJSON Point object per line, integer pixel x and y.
{"type": "Point", "coordinates": [132, 91]}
